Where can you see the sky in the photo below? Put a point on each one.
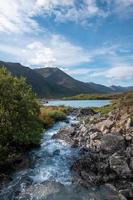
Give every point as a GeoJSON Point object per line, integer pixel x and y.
{"type": "Point", "coordinates": [92, 40]}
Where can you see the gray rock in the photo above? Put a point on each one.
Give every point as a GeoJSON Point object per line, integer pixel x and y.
{"type": "Point", "coordinates": [129, 123]}
{"type": "Point", "coordinates": [119, 164]}
{"type": "Point", "coordinates": [56, 152]}
{"type": "Point", "coordinates": [131, 163]}
{"type": "Point", "coordinates": [85, 112]}
{"type": "Point", "coordinates": [111, 143]}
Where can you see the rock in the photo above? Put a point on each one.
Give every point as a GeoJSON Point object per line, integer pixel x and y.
{"type": "Point", "coordinates": [111, 143]}
{"type": "Point", "coordinates": [128, 138]}
{"type": "Point", "coordinates": [4, 179]}
{"type": "Point", "coordinates": [129, 123]}
{"type": "Point", "coordinates": [55, 136]}
{"type": "Point", "coordinates": [47, 190]}
{"type": "Point", "coordinates": [83, 129]}
{"type": "Point", "coordinates": [95, 136]}
{"type": "Point", "coordinates": [119, 164]}
{"type": "Point", "coordinates": [65, 134]}
{"type": "Point", "coordinates": [85, 112]}
{"type": "Point", "coordinates": [125, 187]}
{"type": "Point", "coordinates": [112, 193]}
{"type": "Point", "coordinates": [122, 197]}
{"type": "Point", "coordinates": [56, 152]}
{"type": "Point", "coordinates": [131, 163]}
{"type": "Point", "coordinates": [105, 124]}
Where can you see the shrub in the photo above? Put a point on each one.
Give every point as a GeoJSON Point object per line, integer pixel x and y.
{"type": "Point", "coordinates": [19, 111]}
{"type": "Point", "coordinates": [49, 115]}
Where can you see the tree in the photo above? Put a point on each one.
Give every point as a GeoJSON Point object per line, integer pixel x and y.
{"type": "Point", "coordinates": [19, 122]}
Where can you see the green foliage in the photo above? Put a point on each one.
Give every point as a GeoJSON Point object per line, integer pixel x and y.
{"type": "Point", "coordinates": [105, 109]}
{"type": "Point", "coordinates": [52, 114]}
{"type": "Point", "coordinates": [94, 97]}
{"type": "Point", "coordinates": [19, 122]}
{"type": "Point", "coordinates": [125, 100]}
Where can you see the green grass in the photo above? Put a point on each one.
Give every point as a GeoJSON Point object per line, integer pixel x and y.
{"type": "Point", "coordinates": [125, 101]}
{"type": "Point", "coordinates": [105, 109]}
{"type": "Point", "coordinates": [51, 114]}
{"type": "Point", "coordinates": [94, 97]}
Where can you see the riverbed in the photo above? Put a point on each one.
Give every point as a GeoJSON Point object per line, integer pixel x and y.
{"type": "Point", "coordinates": [49, 177]}
{"type": "Point", "coordinates": [51, 162]}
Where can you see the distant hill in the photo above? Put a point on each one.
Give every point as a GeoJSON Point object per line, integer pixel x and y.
{"type": "Point", "coordinates": [66, 84]}
{"type": "Point", "coordinates": [54, 83]}
{"type": "Point", "coordinates": [121, 89]}
{"type": "Point", "coordinates": [38, 83]}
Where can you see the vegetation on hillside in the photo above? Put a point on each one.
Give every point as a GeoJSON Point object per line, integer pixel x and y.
{"type": "Point", "coordinates": [125, 101]}
{"type": "Point", "coordinates": [20, 126]}
{"type": "Point", "coordinates": [94, 96]}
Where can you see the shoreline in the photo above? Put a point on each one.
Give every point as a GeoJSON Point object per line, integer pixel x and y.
{"type": "Point", "coordinates": [106, 146]}
{"type": "Point", "coordinates": [106, 149]}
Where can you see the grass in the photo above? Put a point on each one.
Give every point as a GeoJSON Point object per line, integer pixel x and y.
{"type": "Point", "coordinates": [94, 97]}
{"type": "Point", "coordinates": [51, 114]}
{"type": "Point", "coordinates": [125, 101]}
{"type": "Point", "coordinates": [105, 109]}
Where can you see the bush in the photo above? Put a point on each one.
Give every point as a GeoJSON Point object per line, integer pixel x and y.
{"type": "Point", "coordinates": [19, 113]}
{"type": "Point", "coordinates": [49, 115]}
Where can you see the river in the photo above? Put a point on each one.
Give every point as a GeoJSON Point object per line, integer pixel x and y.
{"type": "Point", "coordinates": [51, 162]}
{"type": "Point", "coordinates": [49, 177]}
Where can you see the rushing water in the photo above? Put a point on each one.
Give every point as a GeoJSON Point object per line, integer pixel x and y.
{"type": "Point", "coordinates": [79, 103]}
{"type": "Point", "coordinates": [51, 162]}
{"type": "Point", "coordinates": [49, 177]}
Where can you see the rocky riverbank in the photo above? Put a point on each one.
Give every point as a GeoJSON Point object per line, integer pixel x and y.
{"type": "Point", "coordinates": [106, 143]}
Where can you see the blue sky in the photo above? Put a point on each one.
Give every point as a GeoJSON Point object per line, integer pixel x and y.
{"type": "Point", "coordinates": [92, 40]}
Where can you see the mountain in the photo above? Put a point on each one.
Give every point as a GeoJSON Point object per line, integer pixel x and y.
{"type": "Point", "coordinates": [38, 83]}
{"type": "Point", "coordinates": [121, 89]}
{"type": "Point", "coordinates": [101, 88]}
{"type": "Point", "coordinates": [66, 85]}
{"type": "Point", "coordinates": [54, 83]}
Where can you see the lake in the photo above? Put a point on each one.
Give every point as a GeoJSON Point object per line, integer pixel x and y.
{"type": "Point", "coordinates": [79, 103]}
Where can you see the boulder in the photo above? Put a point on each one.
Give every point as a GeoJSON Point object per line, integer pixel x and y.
{"type": "Point", "coordinates": [111, 143]}
{"type": "Point", "coordinates": [119, 164]}
{"type": "Point", "coordinates": [129, 123]}
{"type": "Point", "coordinates": [85, 111]}
{"type": "Point", "coordinates": [106, 124]}
{"type": "Point", "coordinates": [131, 163]}
{"type": "Point", "coordinates": [56, 152]}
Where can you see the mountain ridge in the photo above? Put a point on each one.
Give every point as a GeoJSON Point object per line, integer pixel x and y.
{"type": "Point", "coordinates": [51, 82]}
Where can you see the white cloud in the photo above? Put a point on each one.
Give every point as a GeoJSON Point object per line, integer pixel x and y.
{"type": "Point", "coordinates": [121, 8]}
{"type": "Point", "coordinates": [119, 72]}
{"type": "Point", "coordinates": [71, 10]}
{"type": "Point", "coordinates": [56, 51]}
{"type": "Point", "coordinates": [53, 50]}
{"type": "Point", "coordinates": [15, 16]}
{"type": "Point", "coordinates": [37, 54]}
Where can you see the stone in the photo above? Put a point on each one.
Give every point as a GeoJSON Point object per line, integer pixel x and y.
{"type": "Point", "coordinates": [119, 165]}
{"type": "Point", "coordinates": [56, 152]}
{"type": "Point", "coordinates": [128, 138]}
{"type": "Point", "coordinates": [122, 197]}
{"type": "Point", "coordinates": [111, 143]}
{"type": "Point", "coordinates": [86, 111]}
{"type": "Point", "coordinates": [131, 163]}
{"type": "Point", "coordinates": [105, 124]}
{"type": "Point", "coordinates": [129, 123]}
